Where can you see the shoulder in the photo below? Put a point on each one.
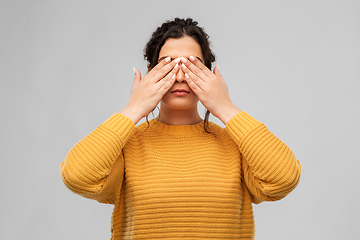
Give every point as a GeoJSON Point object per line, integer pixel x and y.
{"type": "Point", "coordinates": [141, 129]}
{"type": "Point", "coordinates": [218, 131]}
{"type": "Point", "coordinates": [145, 129]}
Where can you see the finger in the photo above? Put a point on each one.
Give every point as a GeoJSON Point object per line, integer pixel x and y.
{"type": "Point", "coordinates": [164, 71]}
{"type": "Point", "coordinates": [166, 83]}
{"type": "Point", "coordinates": [137, 75]}
{"type": "Point", "coordinates": [171, 74]}
{"type": "Point", "coordinates": [158, 66]}
{"type": "Point", "coordinates": [170, 77]}
{"type": "Point", "coordinates": [161, 64]}
{"type": "Point", "coordinates": [196, 66]}
{"type": "Point", "coordinates": [163, 67]}
{"type": "Point", "coordinates": [194, 87]}
{"type": "Point", "coordinates": [194, 78]}
{"type": "Point", "coordinates": [187, 65]}
{"type": "Point", "coordinates": [166, 86]}
{"type": "Point", "coordinates": [161, 73]}
{"type": "Point", "coordinates": [216, 71]}
{"type": "Point", "coordinates": [200, 65]}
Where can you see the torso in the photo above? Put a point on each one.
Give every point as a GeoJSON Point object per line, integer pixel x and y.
{"type": "Point", "coordinates": [184, 180]}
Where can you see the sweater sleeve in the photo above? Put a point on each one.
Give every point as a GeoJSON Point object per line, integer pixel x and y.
{"type": "Point", "coordinates": [94, 167]}
{"type": "Point", "coordinates": [270, 169]}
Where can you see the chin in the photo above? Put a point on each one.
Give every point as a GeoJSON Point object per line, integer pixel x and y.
{"type": "Point", "coordinates": [179, 104]}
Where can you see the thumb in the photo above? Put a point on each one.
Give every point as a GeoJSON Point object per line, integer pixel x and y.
{"type": "Point", "coordinates": [216, 70]}
{"type": "Point", "coordinates": [137, 75]}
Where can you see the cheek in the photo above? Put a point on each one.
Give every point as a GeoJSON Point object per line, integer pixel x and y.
{"type": "Point", "coordinates": [166, 97]}
{"type": "Point", "coordinates": [196, 99]}
{"type": "Point", "coordinates": [168, 94]}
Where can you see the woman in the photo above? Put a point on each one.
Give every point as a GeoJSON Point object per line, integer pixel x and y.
{"type": "Point", "coordinates": [178, 176]}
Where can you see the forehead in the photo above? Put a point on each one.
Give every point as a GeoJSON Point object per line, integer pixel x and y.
{"type": "Point", "coordinates": [181, 47]}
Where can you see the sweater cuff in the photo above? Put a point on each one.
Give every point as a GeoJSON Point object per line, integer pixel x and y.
{"type": "Point", "coordinates": [240, 124]}
{"type": "Point", "coordinates": [121, 125]}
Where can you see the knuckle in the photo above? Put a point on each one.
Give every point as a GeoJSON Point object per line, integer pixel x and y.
{"type": "Point", "coordinates": [163, 71]}
{"type": "Point", "coordinates": [184, 68]}
{"type": "Point", "coordinates": [174, 70]}
{"type": "Point", "coordinates": [158, 66]}
{"type": "Point", "coordinates": [188, 64]}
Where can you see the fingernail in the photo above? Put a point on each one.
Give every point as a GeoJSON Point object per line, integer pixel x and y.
{"type": "Point", "coordinates": [183, 65]}
{"type": "Point", "coordinates": [177, 60]}
{"type": "Point", "coordinates": [187, 76]}
{"type": "Point", "coordinates": [168, 59]}
{"type": "Point", "coordinates": [183, 60]}
{"type": "Point", "coordinates": [134, 70]}
{"type": "Point", "coordinates": [173, 77]}
{"type": "Point", "coordinates": [176, 66]}
{"type": "Point", "coordinates": [192, 58]}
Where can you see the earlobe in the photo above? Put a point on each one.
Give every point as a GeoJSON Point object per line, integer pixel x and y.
{"type": "Point", "coordinates": [148, 67]}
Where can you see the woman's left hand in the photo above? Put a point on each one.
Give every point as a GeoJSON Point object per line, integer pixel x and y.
{"type": "Point", "coordinates": [210, 88]}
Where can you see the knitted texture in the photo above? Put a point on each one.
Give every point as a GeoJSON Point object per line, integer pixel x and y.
{"type": "Point", "coordinates": [179, 182]}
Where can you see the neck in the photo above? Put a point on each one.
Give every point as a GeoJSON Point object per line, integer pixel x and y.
{"type": "Point", "coordinates": [178, 116]}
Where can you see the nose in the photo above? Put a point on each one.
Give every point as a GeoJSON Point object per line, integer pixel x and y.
{"type": "Point", "coordinates": [180, 76]}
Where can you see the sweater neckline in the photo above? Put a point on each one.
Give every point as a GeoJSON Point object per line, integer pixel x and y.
{"type": "Point", "coordinates": [177, 129]}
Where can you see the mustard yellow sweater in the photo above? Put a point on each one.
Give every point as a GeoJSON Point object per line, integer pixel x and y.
{"type": "Point", "coordinates": [179, 182]}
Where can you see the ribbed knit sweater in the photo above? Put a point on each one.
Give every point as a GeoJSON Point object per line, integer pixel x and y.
{"type": "Point", "coordinates": [179, 182]}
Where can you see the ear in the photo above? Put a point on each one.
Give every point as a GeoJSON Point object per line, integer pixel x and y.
{"type": "Point", "coordinates": [148, 66]}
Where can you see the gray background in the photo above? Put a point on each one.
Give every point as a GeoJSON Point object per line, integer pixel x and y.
{"type": "Point", "coordinates": [66, 66]}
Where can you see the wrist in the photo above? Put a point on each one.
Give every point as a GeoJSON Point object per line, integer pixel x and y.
{"type": "Point", "coordinates": [228, 112]}
{"type": "Point", "coordinates": [131, 113]}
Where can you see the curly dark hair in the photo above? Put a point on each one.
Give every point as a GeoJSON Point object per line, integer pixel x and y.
{"type": "Point", "coordinates": [179, 28]}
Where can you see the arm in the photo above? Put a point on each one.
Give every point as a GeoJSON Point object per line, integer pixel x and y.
{"type": "Point", "coordinates": [270, 169]}
{"type": "Point", "coordinates": [95, 165]}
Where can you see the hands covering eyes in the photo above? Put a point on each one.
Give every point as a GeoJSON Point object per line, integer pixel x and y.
{"type": "Point", "coordinates": [210, 88]}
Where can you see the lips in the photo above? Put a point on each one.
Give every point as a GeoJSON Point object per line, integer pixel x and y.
{"type": "Point", "coordinates": [180, 91]}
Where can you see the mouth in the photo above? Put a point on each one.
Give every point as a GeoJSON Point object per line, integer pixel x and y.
{"type": "Point", "coordinates": [180, 92]}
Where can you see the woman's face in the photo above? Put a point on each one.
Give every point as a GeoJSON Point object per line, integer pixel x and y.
{"type": "Point", "coordinates": [176, 98]}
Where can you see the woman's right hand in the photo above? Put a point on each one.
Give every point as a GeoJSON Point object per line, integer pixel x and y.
{"type": "Point", "coordinates": [146, 93]}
